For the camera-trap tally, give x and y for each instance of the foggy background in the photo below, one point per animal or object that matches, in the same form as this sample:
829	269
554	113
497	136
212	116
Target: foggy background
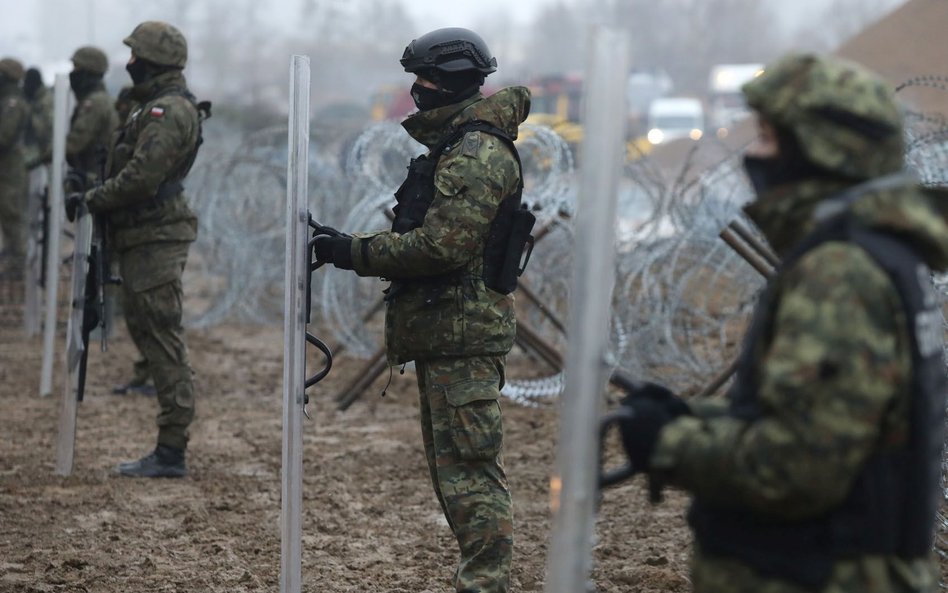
239	49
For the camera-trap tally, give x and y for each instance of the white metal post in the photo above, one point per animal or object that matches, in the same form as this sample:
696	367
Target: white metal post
593	278
294	326
54	228
75	349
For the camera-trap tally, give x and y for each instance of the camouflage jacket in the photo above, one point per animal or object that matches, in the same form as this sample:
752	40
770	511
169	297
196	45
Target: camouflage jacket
93	122
836	308
13	115
463	318
38	138
157	138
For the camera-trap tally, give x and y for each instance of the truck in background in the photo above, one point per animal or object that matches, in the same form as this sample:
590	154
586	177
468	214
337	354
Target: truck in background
725	102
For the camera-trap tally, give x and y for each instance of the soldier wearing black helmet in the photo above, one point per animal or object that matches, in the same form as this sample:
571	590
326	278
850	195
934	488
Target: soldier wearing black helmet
153	227
449	307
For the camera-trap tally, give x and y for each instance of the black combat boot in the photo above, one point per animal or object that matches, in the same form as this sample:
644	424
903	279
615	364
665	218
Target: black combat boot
135	388
163	462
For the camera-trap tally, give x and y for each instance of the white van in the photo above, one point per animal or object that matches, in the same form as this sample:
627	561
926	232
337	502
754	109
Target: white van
725	100
672	118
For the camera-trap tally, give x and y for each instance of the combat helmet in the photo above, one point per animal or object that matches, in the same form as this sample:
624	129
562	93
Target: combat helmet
844	117
13	69
159	43
92	59
448	50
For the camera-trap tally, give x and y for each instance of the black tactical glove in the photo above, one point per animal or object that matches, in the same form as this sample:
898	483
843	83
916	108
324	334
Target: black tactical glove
643	420
75	205
335	250
322	229
659	394
75	182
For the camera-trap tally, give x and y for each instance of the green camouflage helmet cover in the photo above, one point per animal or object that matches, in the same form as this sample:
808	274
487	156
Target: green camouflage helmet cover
12	68
160	43
844	116
90	58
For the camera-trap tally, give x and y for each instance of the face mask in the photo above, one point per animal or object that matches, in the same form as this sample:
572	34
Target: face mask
81	81
764	173
32	84
426	98
138	70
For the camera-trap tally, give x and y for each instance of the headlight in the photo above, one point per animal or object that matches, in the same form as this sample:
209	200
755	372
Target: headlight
655	136
695	134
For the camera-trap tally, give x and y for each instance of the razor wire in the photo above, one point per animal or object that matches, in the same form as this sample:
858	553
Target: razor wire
682	297
681	300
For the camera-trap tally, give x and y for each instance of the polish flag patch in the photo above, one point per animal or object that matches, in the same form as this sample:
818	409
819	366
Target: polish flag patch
157	111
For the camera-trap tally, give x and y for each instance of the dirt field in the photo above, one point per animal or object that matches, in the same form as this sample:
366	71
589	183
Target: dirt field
371	520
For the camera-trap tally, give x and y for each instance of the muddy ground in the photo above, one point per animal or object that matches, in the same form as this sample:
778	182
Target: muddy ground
371	522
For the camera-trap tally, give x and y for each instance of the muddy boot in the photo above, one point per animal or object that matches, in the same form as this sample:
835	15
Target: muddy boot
163	462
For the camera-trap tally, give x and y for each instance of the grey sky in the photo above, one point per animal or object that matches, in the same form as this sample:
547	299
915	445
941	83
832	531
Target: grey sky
19	35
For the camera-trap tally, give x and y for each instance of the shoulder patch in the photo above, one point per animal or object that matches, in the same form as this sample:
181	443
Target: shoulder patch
156	111
11	102
471	144
87	104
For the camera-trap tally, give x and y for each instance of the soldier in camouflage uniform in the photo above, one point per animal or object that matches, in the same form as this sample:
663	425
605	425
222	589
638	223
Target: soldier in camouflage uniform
153	227
94	119
14	113
38	137
822	471
441	313
93	122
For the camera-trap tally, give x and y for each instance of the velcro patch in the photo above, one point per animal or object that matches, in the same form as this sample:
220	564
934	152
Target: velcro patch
471	144
157	112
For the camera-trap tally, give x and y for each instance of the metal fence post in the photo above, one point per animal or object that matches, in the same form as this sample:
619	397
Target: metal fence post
593	279
294	326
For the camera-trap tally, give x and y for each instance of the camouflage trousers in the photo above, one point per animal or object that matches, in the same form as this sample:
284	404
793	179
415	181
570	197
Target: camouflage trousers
152	295
462	430
13	196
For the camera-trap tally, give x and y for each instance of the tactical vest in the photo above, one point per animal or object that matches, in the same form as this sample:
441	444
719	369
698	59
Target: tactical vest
173	183
891	508
509	230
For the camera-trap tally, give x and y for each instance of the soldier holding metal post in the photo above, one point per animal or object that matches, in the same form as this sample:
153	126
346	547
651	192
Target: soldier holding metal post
453	257
822	471
153	227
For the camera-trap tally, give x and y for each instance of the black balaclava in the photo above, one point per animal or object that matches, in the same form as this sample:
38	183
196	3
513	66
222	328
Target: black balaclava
32	81
142	70
139	70
789	166
83	81
453	87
